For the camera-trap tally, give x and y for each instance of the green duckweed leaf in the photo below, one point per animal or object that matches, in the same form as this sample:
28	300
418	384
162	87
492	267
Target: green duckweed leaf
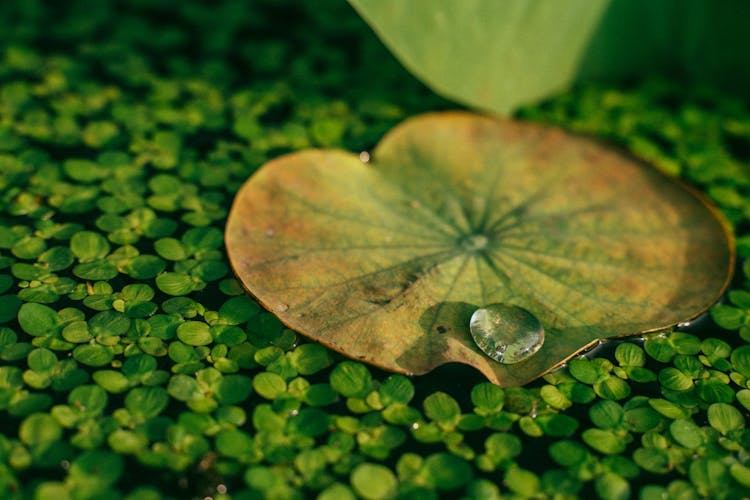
725	418
337	491
111	381
660	348
57	258
396	389
98	270
469	213
487	398
146	402
184	388
442	408
238	310
42	360
708	476
38	320
93	355
9	307
628	354
502	446
234	443
194	333
522	482
201	239
144	267
740	298
740	359
101	466
554	397
743	396
109	323
606	414
445	471
373	481
610	486
88	400
686	433
269	385
88	246
173	283
351	379
568	453
309	358
39	429
170	249
652	460
6	282
604	441
232	389
29	247
675	380
741	474
612	388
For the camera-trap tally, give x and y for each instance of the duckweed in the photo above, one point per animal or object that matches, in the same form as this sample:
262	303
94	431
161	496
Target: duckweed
133	364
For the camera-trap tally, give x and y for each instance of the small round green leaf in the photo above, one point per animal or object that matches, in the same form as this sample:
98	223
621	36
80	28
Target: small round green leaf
740	359
351	379
146	402
38	320
269	385
88	246
9	307
604	441
373	481
195	333
445	471
442	408
725	418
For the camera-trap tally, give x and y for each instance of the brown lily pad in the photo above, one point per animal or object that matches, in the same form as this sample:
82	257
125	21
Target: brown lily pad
386	261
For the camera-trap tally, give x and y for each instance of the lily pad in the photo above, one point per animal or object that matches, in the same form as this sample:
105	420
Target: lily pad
498	55
386	261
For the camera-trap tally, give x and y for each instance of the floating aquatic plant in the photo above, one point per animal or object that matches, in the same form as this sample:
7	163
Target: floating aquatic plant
561	241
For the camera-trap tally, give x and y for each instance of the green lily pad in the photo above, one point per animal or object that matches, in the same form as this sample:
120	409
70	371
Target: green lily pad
497	55
387	261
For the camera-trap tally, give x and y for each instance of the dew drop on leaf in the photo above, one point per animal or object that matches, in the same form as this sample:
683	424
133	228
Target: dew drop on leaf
506	333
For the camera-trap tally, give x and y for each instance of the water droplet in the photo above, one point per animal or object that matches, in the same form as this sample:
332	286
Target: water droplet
221	489
282	307
364	157
506	333
269	232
